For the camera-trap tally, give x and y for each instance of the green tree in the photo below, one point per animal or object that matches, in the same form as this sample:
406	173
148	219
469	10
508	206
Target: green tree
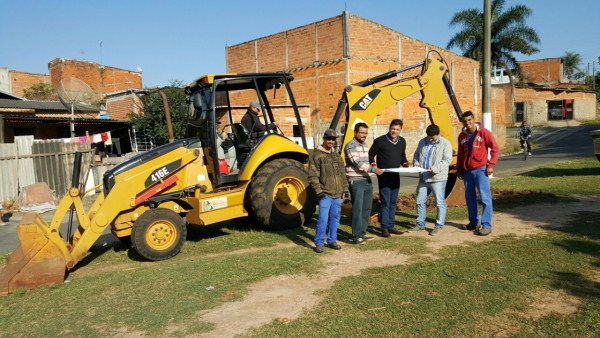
509	34
152	121
40	91
571	61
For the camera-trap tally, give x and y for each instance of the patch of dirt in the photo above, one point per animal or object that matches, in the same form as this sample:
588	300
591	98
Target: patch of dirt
544	303
285	298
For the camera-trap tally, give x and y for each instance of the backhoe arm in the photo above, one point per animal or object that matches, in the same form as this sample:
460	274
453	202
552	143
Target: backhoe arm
362	102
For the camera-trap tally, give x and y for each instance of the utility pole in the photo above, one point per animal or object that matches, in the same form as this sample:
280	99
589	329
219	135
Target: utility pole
487	53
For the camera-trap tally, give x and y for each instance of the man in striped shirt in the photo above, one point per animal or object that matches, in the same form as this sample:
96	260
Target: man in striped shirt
361	188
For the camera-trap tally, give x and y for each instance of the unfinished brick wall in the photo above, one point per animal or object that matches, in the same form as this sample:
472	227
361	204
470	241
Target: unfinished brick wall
100	79
23	80
546	72
120	107
315	54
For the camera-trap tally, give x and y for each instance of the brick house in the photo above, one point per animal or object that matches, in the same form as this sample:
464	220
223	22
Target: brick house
547	95
327	55
75	81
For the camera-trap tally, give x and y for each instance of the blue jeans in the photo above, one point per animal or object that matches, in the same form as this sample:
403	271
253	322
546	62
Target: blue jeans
438	189
361	194
330	210
477	178
389	184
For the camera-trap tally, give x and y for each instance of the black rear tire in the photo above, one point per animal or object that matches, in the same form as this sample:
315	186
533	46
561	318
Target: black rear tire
280	195
158	234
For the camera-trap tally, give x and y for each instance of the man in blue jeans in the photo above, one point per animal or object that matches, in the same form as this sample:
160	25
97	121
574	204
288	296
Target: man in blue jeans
433	153
389	151
358	169
326	174
475	166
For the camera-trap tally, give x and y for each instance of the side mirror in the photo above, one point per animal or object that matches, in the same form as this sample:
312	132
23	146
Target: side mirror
197	101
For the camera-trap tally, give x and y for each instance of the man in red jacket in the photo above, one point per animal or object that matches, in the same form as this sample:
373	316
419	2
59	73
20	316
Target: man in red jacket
475	166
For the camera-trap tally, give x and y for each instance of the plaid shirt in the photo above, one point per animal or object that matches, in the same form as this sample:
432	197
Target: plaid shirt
357	160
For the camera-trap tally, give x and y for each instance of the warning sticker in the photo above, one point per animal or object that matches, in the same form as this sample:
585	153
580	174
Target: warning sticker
214	203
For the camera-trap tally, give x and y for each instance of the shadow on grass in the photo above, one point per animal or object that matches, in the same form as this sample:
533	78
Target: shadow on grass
507	199
576	284
557	172
584	239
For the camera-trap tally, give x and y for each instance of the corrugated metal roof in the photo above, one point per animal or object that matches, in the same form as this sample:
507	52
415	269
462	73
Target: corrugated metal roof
78	117
47	105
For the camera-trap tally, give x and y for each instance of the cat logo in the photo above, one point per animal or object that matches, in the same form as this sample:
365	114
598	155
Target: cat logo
366	100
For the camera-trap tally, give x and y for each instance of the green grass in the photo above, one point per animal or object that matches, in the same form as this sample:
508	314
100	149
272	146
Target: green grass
448	297
595	122
467	291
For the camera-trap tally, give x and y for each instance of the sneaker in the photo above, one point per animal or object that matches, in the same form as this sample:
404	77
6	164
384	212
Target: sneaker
435	231
368	238
358	240
416	228
529	153
396	232
483	231
318	249
334	246
469	226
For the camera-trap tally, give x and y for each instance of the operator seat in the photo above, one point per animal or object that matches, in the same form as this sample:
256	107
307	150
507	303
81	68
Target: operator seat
241	142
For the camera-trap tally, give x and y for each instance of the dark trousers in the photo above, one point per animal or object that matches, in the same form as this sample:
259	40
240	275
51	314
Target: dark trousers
389	185
361	194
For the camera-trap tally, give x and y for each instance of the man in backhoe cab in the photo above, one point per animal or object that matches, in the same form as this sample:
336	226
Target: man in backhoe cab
326	174
475	166
358	168
252	123
389	151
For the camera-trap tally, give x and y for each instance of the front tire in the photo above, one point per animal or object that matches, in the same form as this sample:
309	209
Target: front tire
158	234
280	195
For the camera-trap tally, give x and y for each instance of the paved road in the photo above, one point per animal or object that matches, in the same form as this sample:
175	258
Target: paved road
551	145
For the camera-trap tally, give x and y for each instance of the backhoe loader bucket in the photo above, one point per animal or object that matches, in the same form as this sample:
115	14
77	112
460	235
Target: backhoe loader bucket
37	262
455	191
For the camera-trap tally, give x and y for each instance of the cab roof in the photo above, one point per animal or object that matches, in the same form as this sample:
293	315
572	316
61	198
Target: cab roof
238	81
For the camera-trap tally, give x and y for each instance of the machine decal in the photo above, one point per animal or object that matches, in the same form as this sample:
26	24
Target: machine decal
366	100
162	172
214	203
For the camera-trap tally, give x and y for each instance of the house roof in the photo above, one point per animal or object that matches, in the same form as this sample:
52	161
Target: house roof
47	105
5	95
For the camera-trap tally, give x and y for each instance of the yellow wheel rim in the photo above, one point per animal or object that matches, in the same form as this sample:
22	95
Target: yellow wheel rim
161	235
289	195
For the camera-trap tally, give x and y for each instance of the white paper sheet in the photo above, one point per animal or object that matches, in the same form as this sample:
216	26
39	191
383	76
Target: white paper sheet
410	170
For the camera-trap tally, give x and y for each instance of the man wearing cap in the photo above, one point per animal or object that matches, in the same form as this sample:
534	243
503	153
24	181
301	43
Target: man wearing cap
252	122
326	174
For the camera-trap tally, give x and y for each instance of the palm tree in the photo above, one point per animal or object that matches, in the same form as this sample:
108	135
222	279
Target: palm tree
510	35
571	61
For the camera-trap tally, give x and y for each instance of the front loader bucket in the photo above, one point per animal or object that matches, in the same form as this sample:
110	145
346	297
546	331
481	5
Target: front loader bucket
455	191
37	262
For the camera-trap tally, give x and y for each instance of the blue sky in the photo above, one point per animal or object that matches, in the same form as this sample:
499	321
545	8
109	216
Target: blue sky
181	40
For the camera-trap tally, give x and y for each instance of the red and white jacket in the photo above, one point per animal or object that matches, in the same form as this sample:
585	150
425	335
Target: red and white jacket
478	157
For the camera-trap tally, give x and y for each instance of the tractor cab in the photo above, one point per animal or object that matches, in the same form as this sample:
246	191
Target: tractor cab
216	115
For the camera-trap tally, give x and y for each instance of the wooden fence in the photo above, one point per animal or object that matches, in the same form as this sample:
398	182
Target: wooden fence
29	161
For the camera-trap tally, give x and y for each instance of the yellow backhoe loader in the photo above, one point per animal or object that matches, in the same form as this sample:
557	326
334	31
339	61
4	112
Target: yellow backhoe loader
222	172
149	200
